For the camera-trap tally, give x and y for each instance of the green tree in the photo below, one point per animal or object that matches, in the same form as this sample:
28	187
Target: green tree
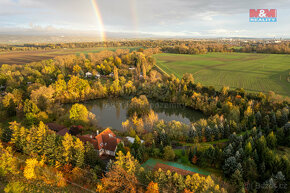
68	146
271	140
237	181
248	149
140	106
14	187
250	172
78	114
168	153
31	110
188	78
79	152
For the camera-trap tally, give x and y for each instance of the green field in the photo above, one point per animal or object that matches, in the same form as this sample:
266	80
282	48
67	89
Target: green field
253	72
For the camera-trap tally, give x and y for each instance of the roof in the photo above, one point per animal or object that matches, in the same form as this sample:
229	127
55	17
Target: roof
88	138
55	127
107	140
63	132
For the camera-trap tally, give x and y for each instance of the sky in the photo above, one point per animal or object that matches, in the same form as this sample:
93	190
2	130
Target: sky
168	18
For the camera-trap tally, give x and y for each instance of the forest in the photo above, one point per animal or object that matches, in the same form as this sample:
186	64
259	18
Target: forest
242	137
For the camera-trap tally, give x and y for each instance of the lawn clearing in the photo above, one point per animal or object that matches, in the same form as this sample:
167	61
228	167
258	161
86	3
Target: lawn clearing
253	72
174	166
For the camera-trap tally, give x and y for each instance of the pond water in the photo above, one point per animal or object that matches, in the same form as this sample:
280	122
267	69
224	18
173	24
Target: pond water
150	163
112	112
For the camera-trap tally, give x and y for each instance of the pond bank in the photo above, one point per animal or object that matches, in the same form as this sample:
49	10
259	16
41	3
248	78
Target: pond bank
112	112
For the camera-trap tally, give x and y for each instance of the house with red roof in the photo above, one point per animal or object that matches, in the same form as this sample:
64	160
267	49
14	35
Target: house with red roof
105	143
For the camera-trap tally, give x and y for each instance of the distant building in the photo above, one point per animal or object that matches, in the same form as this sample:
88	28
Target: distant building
131	139
89	75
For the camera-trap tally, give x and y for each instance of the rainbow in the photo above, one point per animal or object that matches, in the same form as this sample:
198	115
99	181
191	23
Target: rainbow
100	20
134	15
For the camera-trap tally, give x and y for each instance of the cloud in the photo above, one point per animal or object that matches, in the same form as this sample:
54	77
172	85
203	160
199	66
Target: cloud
195	17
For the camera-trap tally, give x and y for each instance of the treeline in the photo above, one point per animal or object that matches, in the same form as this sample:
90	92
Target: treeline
281	48
169	46
198	48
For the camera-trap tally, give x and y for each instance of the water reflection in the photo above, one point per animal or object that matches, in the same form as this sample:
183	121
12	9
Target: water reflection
112	112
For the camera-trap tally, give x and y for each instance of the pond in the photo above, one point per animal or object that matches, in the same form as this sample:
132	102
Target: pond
150	163
112	112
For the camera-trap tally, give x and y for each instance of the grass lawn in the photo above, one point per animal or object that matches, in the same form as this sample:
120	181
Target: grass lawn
253	72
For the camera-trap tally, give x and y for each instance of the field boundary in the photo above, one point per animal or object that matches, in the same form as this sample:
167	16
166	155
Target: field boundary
161	70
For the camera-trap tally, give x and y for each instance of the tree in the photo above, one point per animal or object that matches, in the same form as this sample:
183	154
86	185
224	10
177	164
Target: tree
258	117
271	140
250	172
38	137
68	145
248	149
30	107
8	162
168	153
140	106
91	155
78	114
116	74
78	88
128	162
152	188
237	180
121	177
30	168
188	78
119	180
77	69
9	104
43	97
231	165
31	110
50	148
14	187
60	86
79	152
